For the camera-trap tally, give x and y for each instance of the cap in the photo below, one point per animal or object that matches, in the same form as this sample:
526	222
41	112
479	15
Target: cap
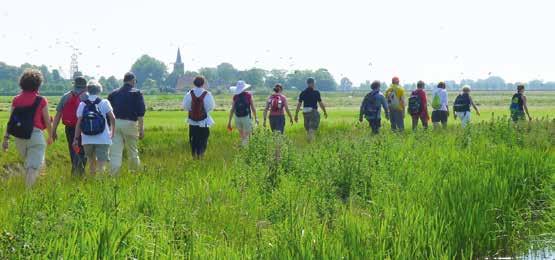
128	77
79	82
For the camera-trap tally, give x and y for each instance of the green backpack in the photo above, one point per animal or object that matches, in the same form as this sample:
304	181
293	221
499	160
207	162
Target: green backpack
436	102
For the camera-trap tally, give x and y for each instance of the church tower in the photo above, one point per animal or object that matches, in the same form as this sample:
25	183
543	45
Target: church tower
178	66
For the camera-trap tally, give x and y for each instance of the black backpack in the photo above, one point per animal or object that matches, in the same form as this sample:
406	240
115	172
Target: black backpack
462	103
370	106
242	106
92	122
415	104
22	119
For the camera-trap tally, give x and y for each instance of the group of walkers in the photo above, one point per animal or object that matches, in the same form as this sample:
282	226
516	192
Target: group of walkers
98	130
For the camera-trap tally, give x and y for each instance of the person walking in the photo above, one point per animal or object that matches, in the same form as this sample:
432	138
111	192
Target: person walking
395	95
199	102
277	106
371	107
92	128
242	111
66	112
462	105
440	106
129	109
29	117
309	99
418	106
519	105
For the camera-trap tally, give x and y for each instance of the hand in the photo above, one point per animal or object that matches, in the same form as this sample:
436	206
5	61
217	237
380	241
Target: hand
5	144
75	143
325	115
477	112
360	119
141	134
454	115
296	118
291	119
229	128
54	135
529	118
264	124
256	121
447	113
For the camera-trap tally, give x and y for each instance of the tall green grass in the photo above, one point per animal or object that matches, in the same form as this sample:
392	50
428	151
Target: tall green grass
483	191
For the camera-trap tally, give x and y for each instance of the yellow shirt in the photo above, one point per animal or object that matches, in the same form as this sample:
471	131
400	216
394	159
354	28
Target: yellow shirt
400	93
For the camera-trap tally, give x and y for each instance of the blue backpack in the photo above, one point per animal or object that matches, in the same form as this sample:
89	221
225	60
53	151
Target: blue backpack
371	108
92	122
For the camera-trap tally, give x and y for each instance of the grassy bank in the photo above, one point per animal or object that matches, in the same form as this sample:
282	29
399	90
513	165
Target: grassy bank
449	194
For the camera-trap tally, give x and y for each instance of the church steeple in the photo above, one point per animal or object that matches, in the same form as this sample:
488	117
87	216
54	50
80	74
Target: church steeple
178	66
178	60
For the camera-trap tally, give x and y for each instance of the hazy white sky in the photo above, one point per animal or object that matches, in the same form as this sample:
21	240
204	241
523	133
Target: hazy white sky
414	39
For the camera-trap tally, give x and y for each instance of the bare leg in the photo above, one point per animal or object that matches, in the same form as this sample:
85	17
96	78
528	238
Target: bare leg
100	166
92	165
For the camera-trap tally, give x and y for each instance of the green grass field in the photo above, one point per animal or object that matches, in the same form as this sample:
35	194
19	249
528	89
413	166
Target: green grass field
454	194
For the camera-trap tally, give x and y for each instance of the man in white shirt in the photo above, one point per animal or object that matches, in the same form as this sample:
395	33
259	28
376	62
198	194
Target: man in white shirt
440	114
96	146
199	103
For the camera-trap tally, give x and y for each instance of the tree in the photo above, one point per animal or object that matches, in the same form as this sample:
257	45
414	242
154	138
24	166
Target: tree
227	73
346	84
254	76
276	76
325	80
147	67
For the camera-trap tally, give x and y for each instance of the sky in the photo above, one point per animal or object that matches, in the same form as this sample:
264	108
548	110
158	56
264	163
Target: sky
428	40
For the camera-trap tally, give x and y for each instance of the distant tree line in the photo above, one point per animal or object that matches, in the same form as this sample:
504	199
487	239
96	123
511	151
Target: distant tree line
153	77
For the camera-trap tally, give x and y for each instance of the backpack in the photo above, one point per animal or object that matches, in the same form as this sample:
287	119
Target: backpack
93	122
69	116
436	101
242	106
462	103
275	103
197	112
415	104
22	120
370	106
393	100
516	104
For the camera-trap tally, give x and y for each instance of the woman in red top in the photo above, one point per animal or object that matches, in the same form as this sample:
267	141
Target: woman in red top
423	115
277	105
32	149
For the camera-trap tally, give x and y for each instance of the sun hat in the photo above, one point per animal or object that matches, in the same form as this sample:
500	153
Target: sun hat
240	87
466	88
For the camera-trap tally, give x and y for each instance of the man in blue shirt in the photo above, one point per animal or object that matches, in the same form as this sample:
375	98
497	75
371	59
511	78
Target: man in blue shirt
371	107
129	108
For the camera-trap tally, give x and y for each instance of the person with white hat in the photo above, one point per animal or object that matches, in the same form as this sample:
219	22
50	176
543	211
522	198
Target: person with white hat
243	108
462	106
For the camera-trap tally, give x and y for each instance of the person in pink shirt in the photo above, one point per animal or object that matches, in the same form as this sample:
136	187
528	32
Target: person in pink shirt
277	105
419	111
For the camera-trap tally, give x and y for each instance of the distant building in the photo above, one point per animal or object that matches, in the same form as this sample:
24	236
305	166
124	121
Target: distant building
177	80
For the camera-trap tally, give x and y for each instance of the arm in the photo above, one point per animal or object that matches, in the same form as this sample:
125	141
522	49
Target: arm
6	141
46	118
297	111
141	127
361	112
288	112
474	106
230	115
525	105
323	108
253	109
265	114
55	123
77	132
112	119
385	107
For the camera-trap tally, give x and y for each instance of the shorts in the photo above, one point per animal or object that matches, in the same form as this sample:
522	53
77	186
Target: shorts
464	117
277	123
311	120
517	116
32	150
439	116
243	123
99	152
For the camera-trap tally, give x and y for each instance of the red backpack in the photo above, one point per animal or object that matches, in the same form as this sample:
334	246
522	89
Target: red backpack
197	112
69	112
275	103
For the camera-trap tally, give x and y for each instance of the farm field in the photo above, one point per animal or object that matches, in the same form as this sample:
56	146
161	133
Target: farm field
464	194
